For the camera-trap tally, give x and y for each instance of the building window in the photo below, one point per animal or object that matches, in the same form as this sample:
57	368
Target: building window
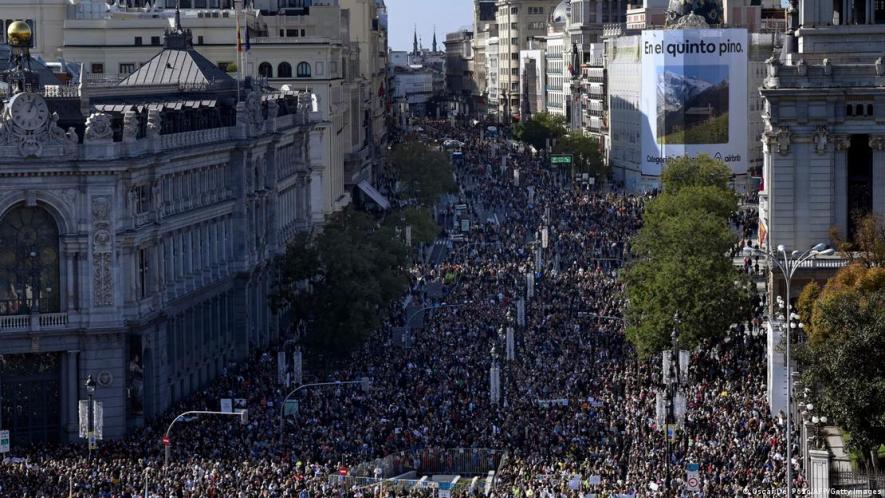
142	273
333	68
292	32
138	41
127	68
97	68
319	68
284	70
199	39
265	70
155	41
514	10
29	262
303	70
302	33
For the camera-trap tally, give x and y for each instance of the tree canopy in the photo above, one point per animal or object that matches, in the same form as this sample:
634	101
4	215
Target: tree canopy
844	360
341	279
425	174
539	128
701	171
681	264
585	152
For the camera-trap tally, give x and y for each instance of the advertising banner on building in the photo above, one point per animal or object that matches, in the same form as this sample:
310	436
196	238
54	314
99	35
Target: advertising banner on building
694	96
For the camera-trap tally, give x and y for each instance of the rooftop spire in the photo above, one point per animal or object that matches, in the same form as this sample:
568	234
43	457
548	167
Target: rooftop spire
434	37
415	40
177	25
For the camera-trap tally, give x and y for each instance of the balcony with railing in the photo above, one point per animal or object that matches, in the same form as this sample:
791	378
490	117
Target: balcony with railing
24	315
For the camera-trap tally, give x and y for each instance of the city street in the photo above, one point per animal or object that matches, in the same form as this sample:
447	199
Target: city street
576	408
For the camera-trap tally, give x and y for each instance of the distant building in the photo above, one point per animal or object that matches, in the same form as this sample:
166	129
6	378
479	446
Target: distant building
460	83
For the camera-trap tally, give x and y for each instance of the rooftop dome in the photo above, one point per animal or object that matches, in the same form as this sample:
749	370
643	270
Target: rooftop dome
561	12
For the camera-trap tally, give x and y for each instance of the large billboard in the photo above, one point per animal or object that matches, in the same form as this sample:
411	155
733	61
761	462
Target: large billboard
694	96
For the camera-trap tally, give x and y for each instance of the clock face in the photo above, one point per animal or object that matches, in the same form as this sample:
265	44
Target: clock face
28	111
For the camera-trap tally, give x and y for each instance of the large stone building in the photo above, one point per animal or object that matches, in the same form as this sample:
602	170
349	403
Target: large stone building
336	49
460	82
138	225
824	117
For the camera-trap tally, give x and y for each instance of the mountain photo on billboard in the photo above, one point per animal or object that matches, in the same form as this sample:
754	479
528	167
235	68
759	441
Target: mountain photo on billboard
692	104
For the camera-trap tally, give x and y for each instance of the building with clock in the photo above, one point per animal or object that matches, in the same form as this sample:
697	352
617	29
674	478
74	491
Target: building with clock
138	223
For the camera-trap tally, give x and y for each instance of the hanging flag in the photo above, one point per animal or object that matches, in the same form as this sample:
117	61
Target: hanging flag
239	41
248	42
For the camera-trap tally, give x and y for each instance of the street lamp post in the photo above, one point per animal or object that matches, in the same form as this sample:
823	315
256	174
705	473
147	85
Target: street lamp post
90	423
787	264
365	382
146	471
167	442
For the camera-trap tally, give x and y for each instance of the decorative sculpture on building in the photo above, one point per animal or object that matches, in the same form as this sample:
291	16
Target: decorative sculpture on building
33	136
102	250
880	67
154	122
683	14
828	66
130	126
877	142
780	138
273	109
821	139
98	128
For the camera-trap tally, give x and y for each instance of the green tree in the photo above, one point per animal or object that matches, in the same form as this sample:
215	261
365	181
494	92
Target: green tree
695	172
541	127
844	364
681	264
585	153
682	270
424	228
425	174
342	279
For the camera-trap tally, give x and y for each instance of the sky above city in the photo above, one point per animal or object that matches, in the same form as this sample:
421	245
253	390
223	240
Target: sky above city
447	15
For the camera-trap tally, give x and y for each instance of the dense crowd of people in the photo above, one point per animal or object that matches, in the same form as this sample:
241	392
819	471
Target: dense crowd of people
577	411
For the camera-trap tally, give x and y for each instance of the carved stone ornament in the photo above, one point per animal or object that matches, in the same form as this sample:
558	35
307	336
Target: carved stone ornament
877	142
102	250
154	122
841	142
273	109
130	126
690	21
821	139
880	67
33	143
779	139
828	67
98	128
802	67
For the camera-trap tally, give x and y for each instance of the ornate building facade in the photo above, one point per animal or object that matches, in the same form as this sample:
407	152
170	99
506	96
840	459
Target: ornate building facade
824	118
138	224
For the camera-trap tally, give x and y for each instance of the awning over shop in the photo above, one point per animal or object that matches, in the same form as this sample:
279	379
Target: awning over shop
373	194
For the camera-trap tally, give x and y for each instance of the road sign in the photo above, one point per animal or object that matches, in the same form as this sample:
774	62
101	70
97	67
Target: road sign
561	159
166	441
692	477
4	441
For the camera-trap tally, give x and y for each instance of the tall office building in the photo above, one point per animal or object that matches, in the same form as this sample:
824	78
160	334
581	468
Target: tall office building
518	22
485	27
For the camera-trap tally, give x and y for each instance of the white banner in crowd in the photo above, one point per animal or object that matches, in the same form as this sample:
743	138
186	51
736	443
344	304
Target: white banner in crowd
227	405
530	285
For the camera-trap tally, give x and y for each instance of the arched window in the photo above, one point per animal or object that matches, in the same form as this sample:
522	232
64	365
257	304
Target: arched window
849	109
303	70
869	109
265	70
284	70
29	262
858	110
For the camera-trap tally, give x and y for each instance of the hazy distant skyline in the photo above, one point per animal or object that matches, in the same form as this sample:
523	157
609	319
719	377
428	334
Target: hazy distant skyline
447	15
